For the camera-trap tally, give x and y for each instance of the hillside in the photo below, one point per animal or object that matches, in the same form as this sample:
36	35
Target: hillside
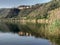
4	12
37	11
8	12
42	11
54	15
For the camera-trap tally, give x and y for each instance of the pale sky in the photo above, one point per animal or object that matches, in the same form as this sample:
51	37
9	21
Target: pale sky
15	3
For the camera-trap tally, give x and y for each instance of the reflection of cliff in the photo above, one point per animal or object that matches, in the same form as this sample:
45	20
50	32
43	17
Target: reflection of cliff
29	29
13	27
24	30
37	30
7	27
24	34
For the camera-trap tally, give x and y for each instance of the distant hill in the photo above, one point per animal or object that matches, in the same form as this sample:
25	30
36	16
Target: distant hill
9	12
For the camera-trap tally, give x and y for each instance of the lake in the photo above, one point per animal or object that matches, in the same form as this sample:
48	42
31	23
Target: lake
26	34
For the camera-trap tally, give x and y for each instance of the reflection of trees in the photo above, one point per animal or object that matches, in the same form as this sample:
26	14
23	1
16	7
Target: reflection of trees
4	27
13	27
29	29
38	30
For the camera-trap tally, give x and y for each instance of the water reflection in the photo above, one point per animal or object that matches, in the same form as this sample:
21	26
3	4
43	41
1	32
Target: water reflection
29	29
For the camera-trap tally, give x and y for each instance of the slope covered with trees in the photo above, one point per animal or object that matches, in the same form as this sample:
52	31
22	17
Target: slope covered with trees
9	12
37	11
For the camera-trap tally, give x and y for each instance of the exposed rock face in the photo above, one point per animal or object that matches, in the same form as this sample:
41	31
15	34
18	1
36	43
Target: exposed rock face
23	7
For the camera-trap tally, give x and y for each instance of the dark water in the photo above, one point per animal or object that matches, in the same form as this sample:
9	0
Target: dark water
25	34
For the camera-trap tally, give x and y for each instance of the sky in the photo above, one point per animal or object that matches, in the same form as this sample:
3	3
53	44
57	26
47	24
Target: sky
15	3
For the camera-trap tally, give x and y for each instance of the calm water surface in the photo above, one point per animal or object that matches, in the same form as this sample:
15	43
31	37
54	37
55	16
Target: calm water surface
23	34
